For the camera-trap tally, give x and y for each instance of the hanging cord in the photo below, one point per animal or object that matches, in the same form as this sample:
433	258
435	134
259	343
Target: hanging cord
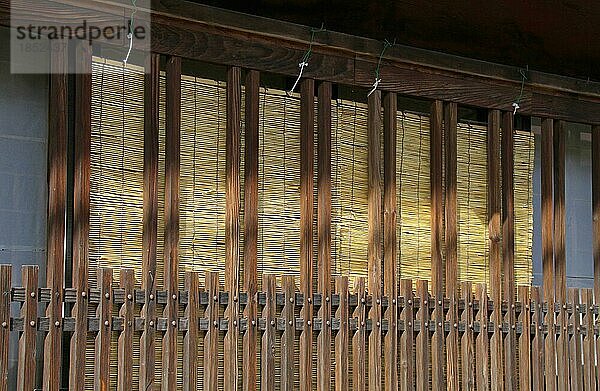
130	33
304	62
516	103
386	44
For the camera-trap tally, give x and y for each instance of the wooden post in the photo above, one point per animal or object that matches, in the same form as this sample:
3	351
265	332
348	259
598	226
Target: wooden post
342	336
451	234
466	343
289	333
547	249
574	342
589	356
525	339
211	337
102	343
374	250
232	225
508	247
267	367
437	266
81	212
482	342
537	345
150	220
250	226
172	169
5	288
422	340
27	340
407	366
390	242
190	339
324	235
57	178
307	121
125	343
359	355
493	200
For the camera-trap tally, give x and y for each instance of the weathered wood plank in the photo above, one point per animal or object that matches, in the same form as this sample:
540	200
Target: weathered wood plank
537	345
437	265
232	225
324	235
251	142
125	342
190	338
267	367
288	336
342	337
589	356
407	366
574	341
482	341
5	287
102	342
211	337
525	339
374	250
359	353
422	339
150	220
27	339
57	179
171	253
81	211
467	340
307	125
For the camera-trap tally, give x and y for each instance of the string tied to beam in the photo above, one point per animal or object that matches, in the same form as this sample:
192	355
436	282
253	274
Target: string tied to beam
130	32
516	103
304	62
386	44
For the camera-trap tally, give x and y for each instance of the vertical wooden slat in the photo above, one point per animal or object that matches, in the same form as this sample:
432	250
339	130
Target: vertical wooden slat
390	242
374	249
5	287
407	366
422	339
267	368
125	343
437	266
537	345
482	342
232	225
287	339
547	249
211	337
324	235
508	248
525	339
150	220
494	232
574	341
190	339
596	226
250	226
102	342
451	234
57	177
589	357
359	355
81	211
342	336
172	170
307	120
466	342
27	339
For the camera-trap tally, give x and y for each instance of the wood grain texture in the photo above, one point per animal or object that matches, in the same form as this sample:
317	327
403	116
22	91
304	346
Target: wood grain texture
407	365
390	241
482	341
508	248
596	209
437	265
324	235
342	337
575	349
589	356
232	225
451	239
81	211
211	337
359	339
27	339
467	340
5	287
422	339
251	144
150	220
102	341
125	342
307	125
524	366
57	177
537	344
190	338
289	334
172	173
375	235
268	338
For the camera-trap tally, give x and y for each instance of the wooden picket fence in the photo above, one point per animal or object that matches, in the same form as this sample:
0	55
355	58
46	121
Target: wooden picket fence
351	339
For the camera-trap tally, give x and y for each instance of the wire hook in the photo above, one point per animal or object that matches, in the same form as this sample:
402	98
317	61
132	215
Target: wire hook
304	62
386	44
130	33
517	101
